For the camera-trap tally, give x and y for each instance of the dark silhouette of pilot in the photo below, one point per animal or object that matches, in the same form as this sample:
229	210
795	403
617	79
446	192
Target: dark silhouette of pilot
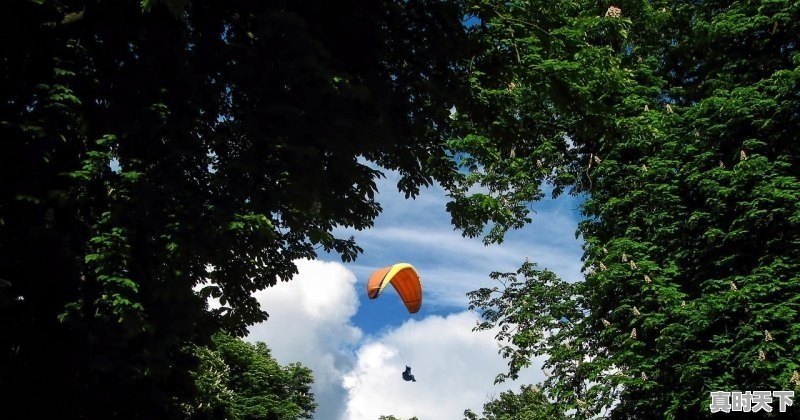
407	376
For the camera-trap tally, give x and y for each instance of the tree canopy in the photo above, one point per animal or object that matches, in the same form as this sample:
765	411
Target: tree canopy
159	153
529	404
238	380
678	122
162	152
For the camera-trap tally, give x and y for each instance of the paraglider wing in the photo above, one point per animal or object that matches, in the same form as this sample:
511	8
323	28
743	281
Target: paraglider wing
405	280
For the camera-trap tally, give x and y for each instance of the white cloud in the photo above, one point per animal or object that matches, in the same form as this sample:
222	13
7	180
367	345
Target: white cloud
454	367
419	231
452	265
310	322
314	320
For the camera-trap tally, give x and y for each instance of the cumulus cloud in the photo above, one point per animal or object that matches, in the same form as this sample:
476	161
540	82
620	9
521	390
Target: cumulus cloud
454	367
357	360
311	322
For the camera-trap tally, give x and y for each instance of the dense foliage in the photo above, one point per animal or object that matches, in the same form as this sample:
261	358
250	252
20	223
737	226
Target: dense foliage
237	380
157	153
679	121
529	404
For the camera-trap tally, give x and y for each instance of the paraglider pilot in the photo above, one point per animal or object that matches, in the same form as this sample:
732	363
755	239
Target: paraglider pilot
407	376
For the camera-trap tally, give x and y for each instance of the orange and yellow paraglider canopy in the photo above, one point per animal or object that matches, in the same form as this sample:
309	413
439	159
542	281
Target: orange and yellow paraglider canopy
405	280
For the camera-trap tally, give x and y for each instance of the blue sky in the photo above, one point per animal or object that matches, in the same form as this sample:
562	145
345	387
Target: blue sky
419	232
357	347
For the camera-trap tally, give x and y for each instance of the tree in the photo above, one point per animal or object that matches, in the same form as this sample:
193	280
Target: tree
239	380
157	156
677	123
529	404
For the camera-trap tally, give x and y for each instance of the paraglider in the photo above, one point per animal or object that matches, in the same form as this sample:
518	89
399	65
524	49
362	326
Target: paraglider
406	281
